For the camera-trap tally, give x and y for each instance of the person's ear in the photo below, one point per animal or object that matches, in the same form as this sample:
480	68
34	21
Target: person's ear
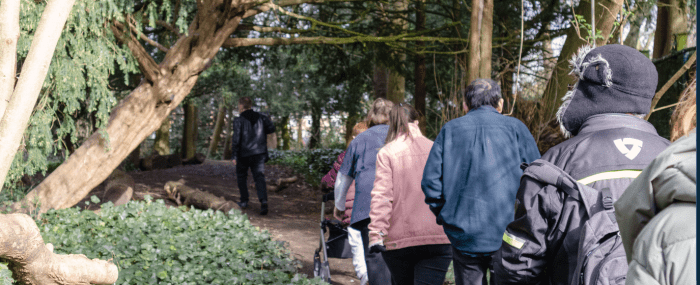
464	106
500	106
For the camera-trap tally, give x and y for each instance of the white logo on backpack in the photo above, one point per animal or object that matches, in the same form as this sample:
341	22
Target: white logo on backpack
621	145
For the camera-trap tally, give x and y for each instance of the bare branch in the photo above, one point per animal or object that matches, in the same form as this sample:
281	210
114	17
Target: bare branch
669	83
168	26
272	29
148	40
267	5
239	42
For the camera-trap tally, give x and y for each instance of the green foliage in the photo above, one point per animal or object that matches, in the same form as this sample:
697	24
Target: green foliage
154	244
313	164
5	274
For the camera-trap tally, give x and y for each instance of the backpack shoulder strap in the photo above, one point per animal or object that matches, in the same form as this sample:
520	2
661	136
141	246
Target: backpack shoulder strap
546	172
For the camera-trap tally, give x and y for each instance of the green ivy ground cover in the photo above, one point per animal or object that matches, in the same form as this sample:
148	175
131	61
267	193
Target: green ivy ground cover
313	164
154	244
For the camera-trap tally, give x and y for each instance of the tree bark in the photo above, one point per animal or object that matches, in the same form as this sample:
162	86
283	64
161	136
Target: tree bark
189	134
216	136
229	135
284	130
396	84
185	195
300	130
142	111
33	262
380	81
162	143
671	19
473	64
9	35
485	41
315	139
606	11
19	108
419	68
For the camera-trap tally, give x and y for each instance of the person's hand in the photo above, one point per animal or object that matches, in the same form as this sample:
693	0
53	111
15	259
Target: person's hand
234	162
377	248
338	214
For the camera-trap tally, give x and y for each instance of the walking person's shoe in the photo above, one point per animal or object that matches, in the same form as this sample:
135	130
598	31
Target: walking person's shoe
243	205
263	208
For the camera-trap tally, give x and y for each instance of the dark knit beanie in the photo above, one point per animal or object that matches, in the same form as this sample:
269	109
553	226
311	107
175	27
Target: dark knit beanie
612	79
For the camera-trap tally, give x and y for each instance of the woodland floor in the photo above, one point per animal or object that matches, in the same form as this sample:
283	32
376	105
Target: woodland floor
294	212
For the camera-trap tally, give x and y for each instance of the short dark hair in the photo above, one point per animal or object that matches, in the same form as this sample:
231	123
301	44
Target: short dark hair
246	102
482	92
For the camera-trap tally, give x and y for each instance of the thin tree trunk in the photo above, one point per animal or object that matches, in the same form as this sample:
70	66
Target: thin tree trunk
315	139
284	131
19	109
473	65
559	81
189	134
396	84
419	68
9	35
300	130
142	111
162	143
216	137
229	135
671	19
485	42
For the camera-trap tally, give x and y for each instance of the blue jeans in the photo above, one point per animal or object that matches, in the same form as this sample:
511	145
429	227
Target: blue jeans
471	268
423	264
256	163
377	271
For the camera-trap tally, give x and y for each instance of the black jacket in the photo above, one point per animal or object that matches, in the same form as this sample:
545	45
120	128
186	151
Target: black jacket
250	134
541	245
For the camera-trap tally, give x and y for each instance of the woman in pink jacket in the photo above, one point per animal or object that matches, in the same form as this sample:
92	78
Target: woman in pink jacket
402	227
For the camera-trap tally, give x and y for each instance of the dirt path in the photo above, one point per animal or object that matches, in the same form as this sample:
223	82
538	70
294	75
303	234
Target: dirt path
294	212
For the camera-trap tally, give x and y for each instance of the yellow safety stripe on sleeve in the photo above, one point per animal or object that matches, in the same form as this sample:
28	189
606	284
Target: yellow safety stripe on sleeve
513	240
610	175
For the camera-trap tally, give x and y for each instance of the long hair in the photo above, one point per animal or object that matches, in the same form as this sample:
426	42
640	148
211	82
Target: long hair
684	118
399	117
379	113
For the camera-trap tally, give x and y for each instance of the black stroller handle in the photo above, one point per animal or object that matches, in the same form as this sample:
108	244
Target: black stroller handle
328	197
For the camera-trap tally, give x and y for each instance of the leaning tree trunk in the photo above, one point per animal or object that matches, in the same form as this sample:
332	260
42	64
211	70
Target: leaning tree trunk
216	137
162	143
9	35
16	113
605	15
142	111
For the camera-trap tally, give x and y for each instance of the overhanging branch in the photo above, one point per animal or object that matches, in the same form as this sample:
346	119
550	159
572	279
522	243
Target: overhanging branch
147	65
240	42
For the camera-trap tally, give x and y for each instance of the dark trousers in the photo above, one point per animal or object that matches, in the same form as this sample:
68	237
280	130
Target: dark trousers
471	268
377	271
256	163
424	264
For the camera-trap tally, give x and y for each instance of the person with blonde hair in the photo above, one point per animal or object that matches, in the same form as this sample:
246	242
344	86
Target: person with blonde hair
359	165
354	236
402	228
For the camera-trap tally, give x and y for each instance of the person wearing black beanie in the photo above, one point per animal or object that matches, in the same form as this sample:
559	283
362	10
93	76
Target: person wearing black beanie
609	144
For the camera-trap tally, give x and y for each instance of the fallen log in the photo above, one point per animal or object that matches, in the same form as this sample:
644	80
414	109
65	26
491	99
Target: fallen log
119	189
196	159
160	162
188	196
279	185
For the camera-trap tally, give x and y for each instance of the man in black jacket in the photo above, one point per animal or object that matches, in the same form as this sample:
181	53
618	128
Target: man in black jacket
611	144
249	148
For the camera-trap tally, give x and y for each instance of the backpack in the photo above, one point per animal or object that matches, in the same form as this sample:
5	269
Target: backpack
601	257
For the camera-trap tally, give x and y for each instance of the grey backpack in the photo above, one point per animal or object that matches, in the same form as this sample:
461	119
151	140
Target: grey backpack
601	256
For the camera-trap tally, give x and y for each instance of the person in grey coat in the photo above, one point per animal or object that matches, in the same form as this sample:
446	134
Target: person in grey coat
610	146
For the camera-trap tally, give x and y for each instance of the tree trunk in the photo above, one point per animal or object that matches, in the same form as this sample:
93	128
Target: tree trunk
9	35
480	35
189	134
300	130
284	130
141	112
162	143
315	139
559	81
380	81
216	137
33	262
229	135
419	68
671	19
18	110
184	195
396	84
350	122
